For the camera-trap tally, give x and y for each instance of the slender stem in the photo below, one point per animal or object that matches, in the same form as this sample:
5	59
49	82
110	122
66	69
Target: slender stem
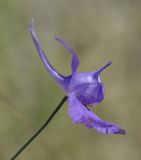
41	129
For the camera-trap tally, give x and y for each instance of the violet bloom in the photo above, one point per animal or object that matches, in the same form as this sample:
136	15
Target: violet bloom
83	90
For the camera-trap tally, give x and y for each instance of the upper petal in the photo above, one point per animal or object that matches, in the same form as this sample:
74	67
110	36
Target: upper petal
58	77
81	114
75	60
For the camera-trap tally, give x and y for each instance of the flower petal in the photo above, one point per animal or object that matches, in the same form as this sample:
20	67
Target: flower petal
103	68
92	93
75	60
58	77
81	114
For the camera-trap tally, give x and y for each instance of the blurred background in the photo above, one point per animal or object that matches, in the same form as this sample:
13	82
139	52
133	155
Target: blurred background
99	31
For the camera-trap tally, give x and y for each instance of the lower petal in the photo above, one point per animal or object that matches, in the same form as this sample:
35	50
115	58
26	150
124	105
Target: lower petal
81	114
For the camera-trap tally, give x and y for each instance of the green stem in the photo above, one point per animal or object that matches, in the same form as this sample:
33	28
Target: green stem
40	129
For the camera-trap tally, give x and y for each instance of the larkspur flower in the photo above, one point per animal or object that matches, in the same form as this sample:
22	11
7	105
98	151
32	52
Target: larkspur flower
83	90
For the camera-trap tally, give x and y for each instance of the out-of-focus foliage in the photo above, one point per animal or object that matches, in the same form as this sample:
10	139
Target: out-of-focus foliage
99	30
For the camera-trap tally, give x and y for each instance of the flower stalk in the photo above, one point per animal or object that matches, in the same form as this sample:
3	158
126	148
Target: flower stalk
40	129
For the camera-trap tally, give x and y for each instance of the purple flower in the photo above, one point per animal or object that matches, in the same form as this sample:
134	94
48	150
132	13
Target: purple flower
83	89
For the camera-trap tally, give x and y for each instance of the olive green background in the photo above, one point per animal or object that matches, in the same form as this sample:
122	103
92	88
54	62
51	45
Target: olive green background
99	31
